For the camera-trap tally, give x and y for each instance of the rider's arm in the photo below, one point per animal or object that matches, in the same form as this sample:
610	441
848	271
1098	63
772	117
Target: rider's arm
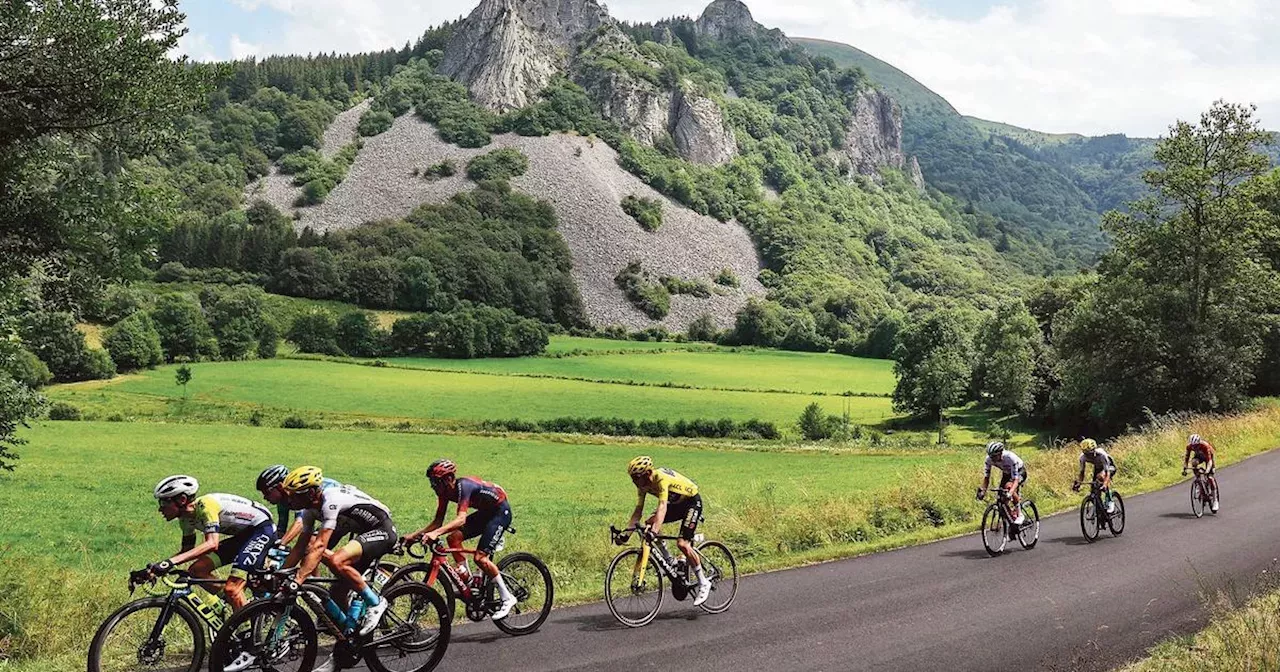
986	473
299	549
659	515
209	545
1186	459
315	550
295	529
455	524
1080	476
635	515
441	505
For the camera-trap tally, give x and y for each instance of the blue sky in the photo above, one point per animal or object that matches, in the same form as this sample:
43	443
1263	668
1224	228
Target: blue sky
1087	66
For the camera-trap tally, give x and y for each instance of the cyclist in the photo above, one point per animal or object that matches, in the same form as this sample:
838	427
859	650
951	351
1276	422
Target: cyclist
347	509
489	520
1202	451
1103	469
236	532
678	499
1013	473
269	482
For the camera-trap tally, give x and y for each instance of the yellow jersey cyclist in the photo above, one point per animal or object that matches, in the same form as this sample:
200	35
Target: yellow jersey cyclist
270	483
1104	467
678	499
483	511
1013	473
236	531
339	510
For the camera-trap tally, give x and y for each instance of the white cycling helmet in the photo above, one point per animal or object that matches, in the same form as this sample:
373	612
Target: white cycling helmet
176	485
995	447
1195	438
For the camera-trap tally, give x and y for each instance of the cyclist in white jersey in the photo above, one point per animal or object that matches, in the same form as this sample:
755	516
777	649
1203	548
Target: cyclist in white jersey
1103	469
1013	473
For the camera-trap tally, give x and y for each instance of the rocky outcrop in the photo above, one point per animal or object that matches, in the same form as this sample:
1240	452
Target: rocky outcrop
874	137
640	109
699	130
917	177
506	51
731	20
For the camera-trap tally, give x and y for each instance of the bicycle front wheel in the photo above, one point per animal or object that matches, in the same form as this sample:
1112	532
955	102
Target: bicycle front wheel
413	634
267	635
1029	533
1089	523
530	581
721	570
632	600
993	534
1116	522
124	642
1197	498
420	572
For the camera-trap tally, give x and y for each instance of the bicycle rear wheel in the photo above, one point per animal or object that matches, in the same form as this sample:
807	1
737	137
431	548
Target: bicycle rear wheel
413	634
633	602
721	569
124	643
1090	525
530	581
420	572
269	635
1029	532
1197	498
1116	520
994	537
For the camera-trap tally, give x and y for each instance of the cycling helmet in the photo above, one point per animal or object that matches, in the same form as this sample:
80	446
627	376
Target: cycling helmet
1088	446
302	478
1195	438
176	485
995	447
272	476
640	466
441	468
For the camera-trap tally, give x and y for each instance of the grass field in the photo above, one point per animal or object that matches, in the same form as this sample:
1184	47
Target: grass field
739	370
400	393
561	345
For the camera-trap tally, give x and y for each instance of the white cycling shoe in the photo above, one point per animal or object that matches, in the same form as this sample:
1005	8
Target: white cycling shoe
371	617
242	661
508	603
704	591
1022	518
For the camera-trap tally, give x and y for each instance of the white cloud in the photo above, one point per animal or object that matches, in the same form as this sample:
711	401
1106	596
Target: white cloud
196	46
241	49
1089	66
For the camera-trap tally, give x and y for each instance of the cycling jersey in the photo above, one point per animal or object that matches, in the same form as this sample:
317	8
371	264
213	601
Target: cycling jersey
224	514
1010	464
472	493
1100	460
669	485
1203	451
283	510
346	504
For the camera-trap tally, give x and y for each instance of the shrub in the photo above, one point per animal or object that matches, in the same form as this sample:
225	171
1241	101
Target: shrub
727	278
27	369
53	338
315	331
294	422
646	211
813	423
119	302
99	365
183	330
500	164
358	335
651	298
446	168
134	343
703	328
697	428
374	122
60	410
696	288
268	340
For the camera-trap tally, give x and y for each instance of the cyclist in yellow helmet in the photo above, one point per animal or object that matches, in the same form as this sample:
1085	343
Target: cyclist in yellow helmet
678	499
1103	469
340	510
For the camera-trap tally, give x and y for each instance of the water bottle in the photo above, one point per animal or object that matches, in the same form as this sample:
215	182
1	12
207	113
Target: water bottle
357	609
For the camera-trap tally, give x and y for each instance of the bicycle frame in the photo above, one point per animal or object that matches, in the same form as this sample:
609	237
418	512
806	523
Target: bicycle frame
646	551
181	586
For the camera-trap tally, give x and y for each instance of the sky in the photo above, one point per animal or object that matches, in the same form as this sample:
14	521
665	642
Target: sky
1079	66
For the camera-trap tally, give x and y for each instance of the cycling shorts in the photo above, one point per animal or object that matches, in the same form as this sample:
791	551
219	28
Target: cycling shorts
374	544
689	512
490	526
246	552
1196	461
1005	478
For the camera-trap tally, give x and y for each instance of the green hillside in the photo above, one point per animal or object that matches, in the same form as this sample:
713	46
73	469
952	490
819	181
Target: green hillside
1026	136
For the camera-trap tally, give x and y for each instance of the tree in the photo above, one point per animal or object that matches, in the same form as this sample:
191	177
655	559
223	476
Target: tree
1183	302
1007	347
183	376
53	338
315	331
134	343
934	361
358	334
813	423
184	332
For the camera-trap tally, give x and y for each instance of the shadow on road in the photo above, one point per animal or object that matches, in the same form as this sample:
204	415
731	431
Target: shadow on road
478	637
607	623
1184	515
970	554
1071	541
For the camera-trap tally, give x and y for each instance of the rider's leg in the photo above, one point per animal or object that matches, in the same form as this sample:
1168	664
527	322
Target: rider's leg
342	563
203	568
455	539
235	592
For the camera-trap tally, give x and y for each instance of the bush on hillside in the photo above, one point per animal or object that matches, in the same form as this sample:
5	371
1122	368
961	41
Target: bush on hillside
184	332
727	278
238	317
315	331
446	168
60	410
696	288
374	122
468	332
27	369
813	423
118	302
703	328
134	343
500	164
696	428
652	298
358	334
646	211
53	338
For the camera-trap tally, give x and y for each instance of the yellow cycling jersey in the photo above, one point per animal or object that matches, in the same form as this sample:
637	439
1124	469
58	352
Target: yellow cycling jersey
225	514
669	485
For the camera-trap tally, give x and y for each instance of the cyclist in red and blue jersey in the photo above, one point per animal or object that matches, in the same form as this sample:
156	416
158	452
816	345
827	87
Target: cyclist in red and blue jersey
1202	452
483	511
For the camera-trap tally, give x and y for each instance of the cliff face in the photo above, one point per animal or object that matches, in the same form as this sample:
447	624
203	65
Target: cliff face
506	51
699	130
732	20
874	137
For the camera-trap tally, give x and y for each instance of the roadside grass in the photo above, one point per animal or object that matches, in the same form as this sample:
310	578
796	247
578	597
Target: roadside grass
762	370
431	395
1239	638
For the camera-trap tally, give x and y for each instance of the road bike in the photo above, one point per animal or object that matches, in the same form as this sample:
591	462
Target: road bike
998	527
281	633
1204	492
524	574
1094	515
633	584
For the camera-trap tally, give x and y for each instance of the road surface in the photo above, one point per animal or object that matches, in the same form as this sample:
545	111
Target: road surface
1065	605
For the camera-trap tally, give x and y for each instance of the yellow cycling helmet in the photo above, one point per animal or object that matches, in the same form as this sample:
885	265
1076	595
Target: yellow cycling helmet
640	466
1088	445
302	478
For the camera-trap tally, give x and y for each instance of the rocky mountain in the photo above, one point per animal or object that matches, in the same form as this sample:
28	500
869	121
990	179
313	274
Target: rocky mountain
728	20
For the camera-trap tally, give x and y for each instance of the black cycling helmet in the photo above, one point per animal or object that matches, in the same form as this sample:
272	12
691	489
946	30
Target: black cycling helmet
272	476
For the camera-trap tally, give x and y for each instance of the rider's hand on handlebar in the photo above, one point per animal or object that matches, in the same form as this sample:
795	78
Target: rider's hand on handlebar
1184	471
160	568
982	494
1075	487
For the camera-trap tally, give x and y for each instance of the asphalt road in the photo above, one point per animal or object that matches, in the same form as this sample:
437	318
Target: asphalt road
1065	605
